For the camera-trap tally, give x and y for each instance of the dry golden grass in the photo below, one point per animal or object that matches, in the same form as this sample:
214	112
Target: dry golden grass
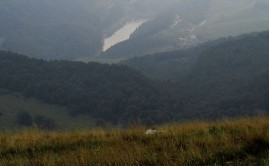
229	142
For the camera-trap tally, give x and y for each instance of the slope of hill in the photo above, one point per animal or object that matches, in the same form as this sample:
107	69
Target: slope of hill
47	29
67	29
42	115
62	29
113	93
189	22
227	77
172	65
223	78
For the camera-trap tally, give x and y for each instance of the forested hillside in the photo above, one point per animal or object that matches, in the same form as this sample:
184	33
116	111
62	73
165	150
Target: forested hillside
228	77
111	93
223	78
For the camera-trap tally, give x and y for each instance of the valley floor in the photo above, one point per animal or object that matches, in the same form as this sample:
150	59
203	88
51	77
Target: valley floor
229	142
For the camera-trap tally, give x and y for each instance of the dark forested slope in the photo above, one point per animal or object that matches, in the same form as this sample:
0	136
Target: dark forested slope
113	93
227	77
172	65
231	76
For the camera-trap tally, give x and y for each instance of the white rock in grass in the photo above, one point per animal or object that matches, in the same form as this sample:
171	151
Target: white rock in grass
151	131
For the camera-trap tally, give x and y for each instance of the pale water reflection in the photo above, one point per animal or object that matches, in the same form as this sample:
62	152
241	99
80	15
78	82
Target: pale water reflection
122	34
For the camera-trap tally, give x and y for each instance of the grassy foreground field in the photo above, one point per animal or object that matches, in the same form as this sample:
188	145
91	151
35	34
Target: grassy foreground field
229	142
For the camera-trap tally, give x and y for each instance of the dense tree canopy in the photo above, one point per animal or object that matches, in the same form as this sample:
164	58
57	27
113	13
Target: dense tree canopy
223	78
227	77
114	93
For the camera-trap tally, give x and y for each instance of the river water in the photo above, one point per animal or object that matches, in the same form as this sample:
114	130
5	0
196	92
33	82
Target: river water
122	34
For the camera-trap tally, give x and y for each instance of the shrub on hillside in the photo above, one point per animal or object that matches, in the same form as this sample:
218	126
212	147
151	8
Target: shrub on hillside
100	123
24	118
45	123
4	92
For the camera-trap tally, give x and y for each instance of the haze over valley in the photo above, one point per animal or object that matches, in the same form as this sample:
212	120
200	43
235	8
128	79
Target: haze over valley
175	60
81	29
134	82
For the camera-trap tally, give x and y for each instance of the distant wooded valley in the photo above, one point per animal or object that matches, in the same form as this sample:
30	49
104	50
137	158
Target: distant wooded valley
81	64
223	78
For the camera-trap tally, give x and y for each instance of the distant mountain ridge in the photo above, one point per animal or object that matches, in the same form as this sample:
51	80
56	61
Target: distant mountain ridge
189	22
66	29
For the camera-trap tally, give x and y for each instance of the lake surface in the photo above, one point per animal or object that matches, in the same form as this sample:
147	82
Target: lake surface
122	34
